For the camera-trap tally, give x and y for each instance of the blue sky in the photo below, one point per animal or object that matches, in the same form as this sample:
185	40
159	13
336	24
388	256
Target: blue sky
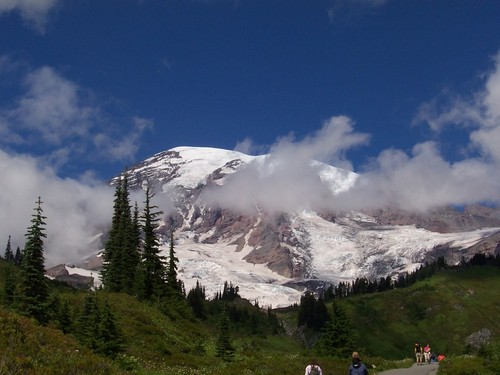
404	92
98	85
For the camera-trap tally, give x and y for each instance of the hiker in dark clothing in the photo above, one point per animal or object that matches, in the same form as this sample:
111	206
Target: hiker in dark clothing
357	367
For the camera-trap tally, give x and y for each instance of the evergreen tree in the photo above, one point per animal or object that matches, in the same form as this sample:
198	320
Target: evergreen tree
129	243
9	256
153	272
307	310
121	250
320	314
110	340
136	229
173	284
33	288
337	337
9	285
88	321
59	313
196	299
18	258
63	319
224	348
111	256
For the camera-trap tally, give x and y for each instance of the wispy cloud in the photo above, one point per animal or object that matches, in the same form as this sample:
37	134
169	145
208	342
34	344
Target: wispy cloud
125	146
61	121
34	12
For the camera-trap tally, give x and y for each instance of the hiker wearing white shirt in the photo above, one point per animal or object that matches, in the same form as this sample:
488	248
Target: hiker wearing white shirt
313	368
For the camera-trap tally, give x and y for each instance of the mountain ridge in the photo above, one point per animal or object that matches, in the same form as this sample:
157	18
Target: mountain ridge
229	226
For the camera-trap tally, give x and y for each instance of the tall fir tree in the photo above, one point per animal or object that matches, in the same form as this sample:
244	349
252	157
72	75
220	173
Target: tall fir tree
320	314
224	348
174	286
18	258
9	285
109	272
307	310
196	299
136	229
337	335
121	250
88	321
129	244
33	288
153	271
9	256
109	340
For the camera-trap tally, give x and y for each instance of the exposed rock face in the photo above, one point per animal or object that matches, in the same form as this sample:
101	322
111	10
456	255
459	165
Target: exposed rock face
60	273
444	220
478	339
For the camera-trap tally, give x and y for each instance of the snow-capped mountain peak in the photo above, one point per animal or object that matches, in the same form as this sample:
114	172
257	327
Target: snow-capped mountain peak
265	224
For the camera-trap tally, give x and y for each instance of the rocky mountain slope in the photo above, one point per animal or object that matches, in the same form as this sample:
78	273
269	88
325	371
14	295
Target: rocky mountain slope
224	208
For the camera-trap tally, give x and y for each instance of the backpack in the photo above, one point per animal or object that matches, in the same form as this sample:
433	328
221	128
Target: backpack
361	370
314	370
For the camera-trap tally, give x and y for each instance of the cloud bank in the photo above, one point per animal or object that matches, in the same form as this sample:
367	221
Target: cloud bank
76	212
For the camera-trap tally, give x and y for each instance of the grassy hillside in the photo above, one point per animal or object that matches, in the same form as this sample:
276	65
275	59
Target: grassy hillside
442	311
27	348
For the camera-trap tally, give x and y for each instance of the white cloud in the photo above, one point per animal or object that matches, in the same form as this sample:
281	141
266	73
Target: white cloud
422	181
60	120
329	144
286	180
76	212
492	92
33	12
51	108
480	112
425	179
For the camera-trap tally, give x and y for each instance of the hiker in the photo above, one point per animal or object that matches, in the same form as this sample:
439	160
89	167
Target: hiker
418	354
427	353
357	367
433	357
313	368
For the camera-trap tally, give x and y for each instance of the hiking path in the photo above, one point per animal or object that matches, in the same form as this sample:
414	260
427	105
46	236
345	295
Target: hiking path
428	369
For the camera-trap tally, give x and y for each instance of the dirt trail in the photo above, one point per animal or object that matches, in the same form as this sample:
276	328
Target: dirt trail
430	369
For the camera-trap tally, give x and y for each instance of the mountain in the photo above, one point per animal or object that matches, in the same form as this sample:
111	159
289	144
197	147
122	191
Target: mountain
269	226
